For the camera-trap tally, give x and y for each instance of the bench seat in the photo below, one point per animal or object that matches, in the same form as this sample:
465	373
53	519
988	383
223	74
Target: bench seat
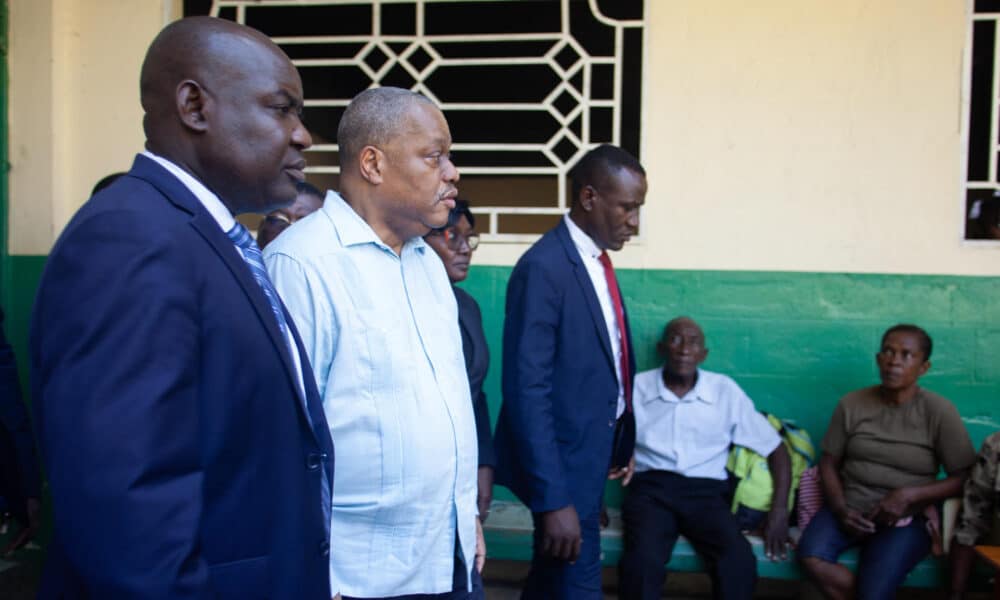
509	530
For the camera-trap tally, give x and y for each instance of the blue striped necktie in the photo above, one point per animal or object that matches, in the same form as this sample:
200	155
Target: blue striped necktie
253	258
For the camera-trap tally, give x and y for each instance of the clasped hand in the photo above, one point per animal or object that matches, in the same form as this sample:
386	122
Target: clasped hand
894	506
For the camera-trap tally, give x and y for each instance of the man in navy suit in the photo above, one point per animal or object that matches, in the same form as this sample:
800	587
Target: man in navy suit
179	423
567	375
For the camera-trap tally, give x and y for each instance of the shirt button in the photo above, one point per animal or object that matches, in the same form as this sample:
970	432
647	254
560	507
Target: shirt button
611	423
324	549
314	460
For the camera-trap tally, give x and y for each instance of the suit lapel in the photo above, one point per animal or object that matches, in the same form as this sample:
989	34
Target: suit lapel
587	290
220	242
209	229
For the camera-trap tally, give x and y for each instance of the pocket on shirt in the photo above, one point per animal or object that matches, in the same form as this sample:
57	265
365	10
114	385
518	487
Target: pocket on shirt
246	578
376	354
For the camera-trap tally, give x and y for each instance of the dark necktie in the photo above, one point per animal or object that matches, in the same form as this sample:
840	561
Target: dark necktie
616	301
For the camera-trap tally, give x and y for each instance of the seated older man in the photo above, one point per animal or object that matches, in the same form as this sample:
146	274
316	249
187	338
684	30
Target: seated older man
686	420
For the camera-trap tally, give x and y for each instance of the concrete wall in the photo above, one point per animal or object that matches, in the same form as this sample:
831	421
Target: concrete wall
800	135
805	161
74	105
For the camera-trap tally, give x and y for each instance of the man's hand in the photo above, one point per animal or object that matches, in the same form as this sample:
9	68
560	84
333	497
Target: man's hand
485	491
625	473
480	561
776	534
854	522
892	507
561	534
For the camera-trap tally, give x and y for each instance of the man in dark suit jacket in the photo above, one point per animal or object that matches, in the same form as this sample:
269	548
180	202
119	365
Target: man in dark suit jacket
567	365
179	423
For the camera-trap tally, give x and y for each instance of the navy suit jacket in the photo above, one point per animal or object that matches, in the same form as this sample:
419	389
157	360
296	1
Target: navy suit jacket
560	391
181	460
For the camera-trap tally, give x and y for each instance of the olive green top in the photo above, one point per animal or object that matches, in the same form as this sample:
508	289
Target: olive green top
884	446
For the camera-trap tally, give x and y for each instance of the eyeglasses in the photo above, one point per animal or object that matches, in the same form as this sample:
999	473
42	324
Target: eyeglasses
454	239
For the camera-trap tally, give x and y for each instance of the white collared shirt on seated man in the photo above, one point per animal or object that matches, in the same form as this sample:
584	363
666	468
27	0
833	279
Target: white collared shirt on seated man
691	435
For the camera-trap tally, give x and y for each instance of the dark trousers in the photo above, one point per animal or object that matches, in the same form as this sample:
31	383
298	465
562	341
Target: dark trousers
11	488
551	579
660	506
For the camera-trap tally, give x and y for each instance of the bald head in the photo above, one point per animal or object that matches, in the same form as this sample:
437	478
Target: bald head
680	323
373	118
201	49
224	103
683	347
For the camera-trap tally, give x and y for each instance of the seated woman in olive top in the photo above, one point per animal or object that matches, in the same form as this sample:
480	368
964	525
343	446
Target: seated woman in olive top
881	456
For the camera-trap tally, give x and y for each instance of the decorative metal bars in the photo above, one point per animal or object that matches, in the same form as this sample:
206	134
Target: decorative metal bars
528	86
982	101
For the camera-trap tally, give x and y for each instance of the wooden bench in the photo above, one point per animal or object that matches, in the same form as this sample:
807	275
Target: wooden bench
509	532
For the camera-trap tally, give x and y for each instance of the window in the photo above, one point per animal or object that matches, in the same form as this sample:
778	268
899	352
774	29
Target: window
982	200
527	86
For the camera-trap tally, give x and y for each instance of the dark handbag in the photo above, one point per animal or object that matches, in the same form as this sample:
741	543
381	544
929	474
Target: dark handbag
623	444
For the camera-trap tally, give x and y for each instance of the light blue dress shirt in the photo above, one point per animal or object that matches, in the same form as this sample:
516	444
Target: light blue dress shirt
691	436
382	334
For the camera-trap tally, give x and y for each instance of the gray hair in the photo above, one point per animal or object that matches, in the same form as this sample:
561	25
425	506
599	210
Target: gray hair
373	118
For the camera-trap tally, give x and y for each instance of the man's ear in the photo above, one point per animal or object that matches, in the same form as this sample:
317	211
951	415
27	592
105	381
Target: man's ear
371	164
192	105
588	195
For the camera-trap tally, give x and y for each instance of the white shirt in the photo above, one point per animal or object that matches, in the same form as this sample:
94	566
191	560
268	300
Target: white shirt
691	436
590	254
222	216
381	331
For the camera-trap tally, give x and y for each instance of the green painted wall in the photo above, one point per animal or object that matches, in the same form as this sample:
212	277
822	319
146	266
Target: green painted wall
796	342
24	273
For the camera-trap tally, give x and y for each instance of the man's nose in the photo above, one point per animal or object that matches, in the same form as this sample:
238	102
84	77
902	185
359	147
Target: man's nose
449	172
301	136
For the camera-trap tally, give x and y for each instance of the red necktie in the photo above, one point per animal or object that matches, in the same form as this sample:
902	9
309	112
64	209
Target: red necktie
616	301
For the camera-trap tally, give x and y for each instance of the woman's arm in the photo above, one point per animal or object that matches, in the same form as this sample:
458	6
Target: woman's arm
833	494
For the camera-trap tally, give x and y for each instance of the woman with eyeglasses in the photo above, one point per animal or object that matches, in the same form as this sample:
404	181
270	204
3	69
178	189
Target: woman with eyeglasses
454	243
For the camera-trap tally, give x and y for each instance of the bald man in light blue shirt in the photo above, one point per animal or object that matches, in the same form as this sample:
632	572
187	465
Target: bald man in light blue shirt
379	321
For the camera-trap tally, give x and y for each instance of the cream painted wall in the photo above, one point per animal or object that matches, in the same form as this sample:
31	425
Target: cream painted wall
74	104
806	135
803	135
779	135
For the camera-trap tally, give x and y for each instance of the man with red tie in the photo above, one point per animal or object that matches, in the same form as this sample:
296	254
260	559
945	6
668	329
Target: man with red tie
566	422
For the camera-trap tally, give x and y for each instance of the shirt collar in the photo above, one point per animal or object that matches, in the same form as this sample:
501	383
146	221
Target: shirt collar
355	231
584	244
208	199
698	392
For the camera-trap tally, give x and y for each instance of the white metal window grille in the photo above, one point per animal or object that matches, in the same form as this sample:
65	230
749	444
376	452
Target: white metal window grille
982	101
527	86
